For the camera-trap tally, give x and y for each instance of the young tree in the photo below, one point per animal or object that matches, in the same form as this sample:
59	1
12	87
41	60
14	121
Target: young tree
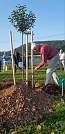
22	21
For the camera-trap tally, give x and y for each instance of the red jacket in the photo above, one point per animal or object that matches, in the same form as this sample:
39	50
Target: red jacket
47	52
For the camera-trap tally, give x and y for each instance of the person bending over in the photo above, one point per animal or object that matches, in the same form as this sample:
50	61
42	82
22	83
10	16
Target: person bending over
49	53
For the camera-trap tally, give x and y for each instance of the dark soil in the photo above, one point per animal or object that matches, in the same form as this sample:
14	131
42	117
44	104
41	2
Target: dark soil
18	105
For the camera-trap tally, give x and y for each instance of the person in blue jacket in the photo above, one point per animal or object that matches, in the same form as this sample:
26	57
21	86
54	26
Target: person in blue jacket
5	61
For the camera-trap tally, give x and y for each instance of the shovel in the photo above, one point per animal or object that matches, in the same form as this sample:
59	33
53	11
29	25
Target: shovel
23	84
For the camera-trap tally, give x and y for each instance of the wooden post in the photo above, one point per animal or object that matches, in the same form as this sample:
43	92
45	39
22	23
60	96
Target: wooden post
11	45
27	59
62	87
22	58
32	59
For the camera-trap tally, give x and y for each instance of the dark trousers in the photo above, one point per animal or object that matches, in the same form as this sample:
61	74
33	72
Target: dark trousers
15	66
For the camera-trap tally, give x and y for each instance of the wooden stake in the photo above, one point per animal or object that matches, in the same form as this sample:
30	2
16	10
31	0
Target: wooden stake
32	59
27	58
11	45
62	87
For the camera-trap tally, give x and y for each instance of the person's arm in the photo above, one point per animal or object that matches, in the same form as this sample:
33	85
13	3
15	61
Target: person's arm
44	59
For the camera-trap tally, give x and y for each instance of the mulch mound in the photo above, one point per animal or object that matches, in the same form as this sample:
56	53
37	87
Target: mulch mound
52	89
18	105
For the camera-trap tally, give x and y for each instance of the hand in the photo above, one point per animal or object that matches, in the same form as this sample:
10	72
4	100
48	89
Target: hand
35	69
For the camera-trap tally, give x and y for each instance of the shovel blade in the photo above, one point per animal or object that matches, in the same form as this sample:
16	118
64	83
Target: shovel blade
23	85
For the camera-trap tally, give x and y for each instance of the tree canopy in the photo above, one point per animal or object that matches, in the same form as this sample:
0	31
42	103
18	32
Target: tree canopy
21	20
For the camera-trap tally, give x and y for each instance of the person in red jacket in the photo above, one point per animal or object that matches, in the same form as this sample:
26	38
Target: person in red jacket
49	53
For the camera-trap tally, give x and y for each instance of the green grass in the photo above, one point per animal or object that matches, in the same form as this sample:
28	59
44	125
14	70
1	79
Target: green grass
53	122
39	75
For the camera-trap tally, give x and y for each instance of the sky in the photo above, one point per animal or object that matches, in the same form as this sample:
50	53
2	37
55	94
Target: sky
49	24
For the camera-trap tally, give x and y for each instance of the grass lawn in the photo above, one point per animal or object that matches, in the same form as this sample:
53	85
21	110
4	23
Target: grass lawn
39	75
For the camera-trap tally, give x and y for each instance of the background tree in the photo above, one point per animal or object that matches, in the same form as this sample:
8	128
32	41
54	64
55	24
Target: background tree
22	21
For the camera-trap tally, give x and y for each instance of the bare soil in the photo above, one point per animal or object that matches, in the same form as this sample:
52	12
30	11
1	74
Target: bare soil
18	105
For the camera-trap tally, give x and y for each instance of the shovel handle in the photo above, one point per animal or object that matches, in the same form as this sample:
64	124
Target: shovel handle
29	76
